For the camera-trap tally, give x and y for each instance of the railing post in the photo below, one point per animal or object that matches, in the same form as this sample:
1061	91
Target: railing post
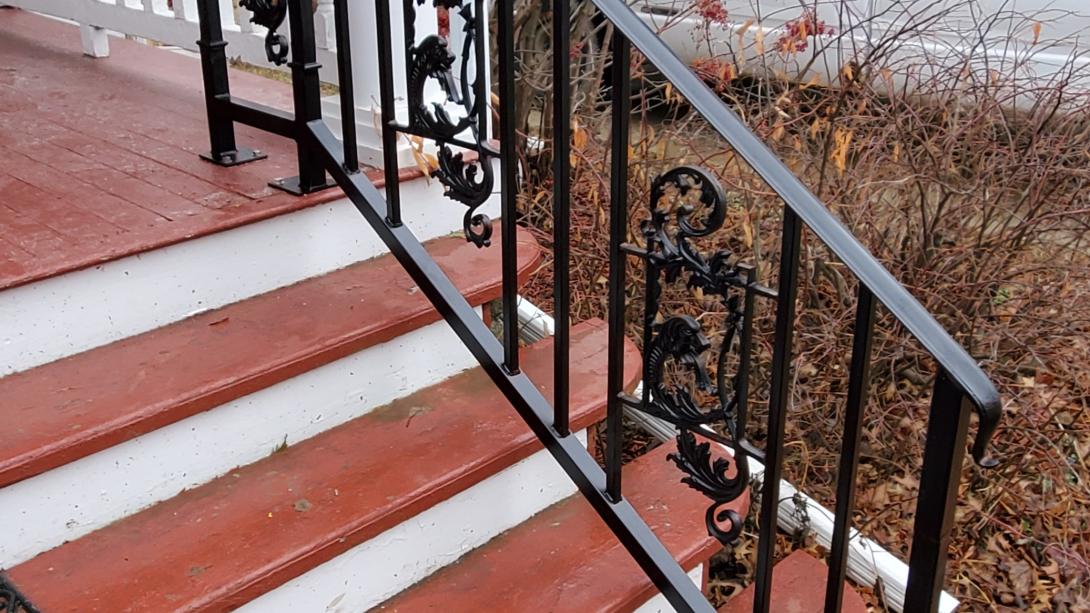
307	99
858	386
221	129
343	43
387	113
779	398
561	208
505	33
618	234
182	10
943	455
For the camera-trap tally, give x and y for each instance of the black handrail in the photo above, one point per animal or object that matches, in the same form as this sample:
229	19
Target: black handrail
523	394
960	382
898	301
959	377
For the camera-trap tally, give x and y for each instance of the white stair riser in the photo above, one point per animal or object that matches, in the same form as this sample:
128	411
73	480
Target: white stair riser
72	500
658	602
74	312
372	572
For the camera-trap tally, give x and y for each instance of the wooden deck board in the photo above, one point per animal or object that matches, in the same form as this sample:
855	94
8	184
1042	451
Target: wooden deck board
100	156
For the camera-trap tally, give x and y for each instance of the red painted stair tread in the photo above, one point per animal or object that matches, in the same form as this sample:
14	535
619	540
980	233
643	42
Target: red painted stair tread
222	544
100	156
62	411
566	559
798	586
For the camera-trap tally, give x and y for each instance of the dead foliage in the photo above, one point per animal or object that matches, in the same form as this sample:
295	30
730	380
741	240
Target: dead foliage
968	182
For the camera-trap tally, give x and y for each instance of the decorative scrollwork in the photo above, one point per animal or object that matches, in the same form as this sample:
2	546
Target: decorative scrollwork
271	14
469	181
670	254
709	476
431	59
470	184
681	339
686	204
11	601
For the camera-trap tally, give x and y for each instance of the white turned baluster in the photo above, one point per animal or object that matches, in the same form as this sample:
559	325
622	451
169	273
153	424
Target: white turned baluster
325	32
242	18
184	10
94	40
362	21
148	5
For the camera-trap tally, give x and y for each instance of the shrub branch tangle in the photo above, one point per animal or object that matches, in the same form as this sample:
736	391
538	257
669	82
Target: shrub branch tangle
964	172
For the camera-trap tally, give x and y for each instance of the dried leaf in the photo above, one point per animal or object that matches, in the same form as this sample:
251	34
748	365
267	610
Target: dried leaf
580	138
841	143
1022	577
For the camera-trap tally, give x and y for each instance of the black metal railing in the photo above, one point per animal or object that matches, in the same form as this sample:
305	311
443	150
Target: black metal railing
467	161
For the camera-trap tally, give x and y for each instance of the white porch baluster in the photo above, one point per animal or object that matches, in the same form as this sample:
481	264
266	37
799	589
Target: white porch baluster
94	40
242	18
325	34
366	78
182	10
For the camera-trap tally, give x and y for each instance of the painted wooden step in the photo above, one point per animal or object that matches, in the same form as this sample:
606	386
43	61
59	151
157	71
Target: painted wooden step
131	295
97	436
218	546
798	586
566	559
112	225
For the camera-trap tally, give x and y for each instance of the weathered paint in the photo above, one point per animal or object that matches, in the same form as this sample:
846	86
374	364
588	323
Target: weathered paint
798	586
220	545
566	559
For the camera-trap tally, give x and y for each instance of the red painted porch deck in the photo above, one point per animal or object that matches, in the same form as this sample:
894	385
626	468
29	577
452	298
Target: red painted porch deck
100	156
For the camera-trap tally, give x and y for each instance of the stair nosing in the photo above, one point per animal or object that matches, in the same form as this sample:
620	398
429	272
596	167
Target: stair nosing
697	549
67	447
454	479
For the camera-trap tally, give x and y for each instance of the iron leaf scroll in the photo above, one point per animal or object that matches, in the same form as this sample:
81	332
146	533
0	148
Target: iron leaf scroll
687	203
11	601
270	14
467	179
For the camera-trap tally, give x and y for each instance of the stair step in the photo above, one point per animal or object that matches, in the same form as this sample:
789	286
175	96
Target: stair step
78	405
119	142
567	559
135	294
220	545
798	586
100	435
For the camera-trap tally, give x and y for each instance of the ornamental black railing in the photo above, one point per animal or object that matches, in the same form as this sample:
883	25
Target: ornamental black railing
467	164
